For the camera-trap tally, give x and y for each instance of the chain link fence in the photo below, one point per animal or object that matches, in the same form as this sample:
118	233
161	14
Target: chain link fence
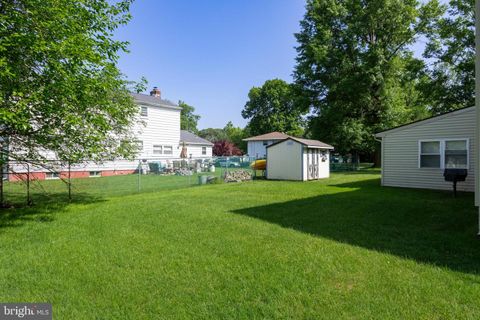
24	183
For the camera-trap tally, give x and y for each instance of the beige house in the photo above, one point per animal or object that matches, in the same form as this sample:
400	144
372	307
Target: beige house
415	155
298	159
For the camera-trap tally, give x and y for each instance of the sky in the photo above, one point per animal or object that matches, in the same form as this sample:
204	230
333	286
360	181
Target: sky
210	53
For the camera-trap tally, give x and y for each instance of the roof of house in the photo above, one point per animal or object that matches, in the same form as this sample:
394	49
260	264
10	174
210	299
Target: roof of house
423	121
268	136
306	142
191	138
154	101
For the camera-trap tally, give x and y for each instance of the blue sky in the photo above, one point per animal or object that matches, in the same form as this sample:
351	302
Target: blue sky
210	53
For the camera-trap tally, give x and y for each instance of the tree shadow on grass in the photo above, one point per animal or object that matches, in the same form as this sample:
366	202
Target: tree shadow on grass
42	209
427	226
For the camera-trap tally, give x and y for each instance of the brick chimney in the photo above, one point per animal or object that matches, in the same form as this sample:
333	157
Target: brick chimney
156	92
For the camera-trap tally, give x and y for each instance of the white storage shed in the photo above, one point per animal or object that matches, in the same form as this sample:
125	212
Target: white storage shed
298	159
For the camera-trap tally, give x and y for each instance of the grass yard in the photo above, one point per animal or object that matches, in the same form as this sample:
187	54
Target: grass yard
333	249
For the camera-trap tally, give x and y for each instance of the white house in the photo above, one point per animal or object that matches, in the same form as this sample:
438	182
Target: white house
196	147
415	155
159	137
298	159
257	146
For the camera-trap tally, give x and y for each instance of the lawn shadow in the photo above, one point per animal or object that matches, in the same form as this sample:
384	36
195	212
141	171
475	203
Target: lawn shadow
42	208
427	226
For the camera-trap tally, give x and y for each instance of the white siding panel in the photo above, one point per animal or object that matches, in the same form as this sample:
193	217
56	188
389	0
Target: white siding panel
285	161
400	153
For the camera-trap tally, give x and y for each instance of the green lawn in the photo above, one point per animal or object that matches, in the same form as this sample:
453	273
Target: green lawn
338	248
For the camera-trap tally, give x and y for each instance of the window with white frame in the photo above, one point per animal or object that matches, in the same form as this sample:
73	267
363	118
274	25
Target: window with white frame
94	174
144	111
52	175
157	149
456	154
204	151
443	153
167	150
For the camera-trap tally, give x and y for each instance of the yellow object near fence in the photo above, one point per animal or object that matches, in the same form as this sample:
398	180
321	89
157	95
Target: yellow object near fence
259	165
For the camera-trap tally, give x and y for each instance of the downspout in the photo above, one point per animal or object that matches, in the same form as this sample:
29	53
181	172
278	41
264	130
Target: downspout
477	105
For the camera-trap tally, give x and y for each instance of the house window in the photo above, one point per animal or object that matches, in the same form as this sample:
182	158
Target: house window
52	175
167	150
157	149
430	156
144	111
204	151
444	153
456	154
93	174
140	145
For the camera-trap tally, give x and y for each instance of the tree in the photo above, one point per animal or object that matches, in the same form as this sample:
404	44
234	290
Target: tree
451	46
188	119
60	88
225	148
353	62
213	134
272	107
236	135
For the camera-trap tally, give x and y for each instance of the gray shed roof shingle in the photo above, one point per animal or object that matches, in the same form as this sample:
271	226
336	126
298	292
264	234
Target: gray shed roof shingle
191	138
306	142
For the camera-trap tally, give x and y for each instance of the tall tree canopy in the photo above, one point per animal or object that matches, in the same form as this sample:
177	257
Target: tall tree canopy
355	66
451	47
273	107
188	118
60	88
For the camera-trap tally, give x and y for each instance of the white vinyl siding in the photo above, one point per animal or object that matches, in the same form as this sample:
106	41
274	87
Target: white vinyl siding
162	127
401	152
197	151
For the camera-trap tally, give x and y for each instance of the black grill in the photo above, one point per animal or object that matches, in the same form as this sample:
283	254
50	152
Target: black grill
455	175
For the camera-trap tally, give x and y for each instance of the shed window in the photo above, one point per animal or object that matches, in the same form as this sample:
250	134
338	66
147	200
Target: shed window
204	150
144	111
456	154
430	156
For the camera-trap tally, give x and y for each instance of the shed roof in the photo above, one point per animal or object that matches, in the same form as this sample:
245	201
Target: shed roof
306	142
154	101
268	136
423	121
191	138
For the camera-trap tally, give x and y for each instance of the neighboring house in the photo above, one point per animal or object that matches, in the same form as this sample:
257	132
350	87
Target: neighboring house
298	159
159	138
257	146
415	155
196	147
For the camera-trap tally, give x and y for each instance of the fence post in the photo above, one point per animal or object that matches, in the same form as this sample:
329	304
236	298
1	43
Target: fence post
139	173
69	182
29	199
2	200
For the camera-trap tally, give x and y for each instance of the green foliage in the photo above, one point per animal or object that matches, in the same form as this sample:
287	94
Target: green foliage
188	118
229	133
272	107
355	66
213	134
60	88
451	46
